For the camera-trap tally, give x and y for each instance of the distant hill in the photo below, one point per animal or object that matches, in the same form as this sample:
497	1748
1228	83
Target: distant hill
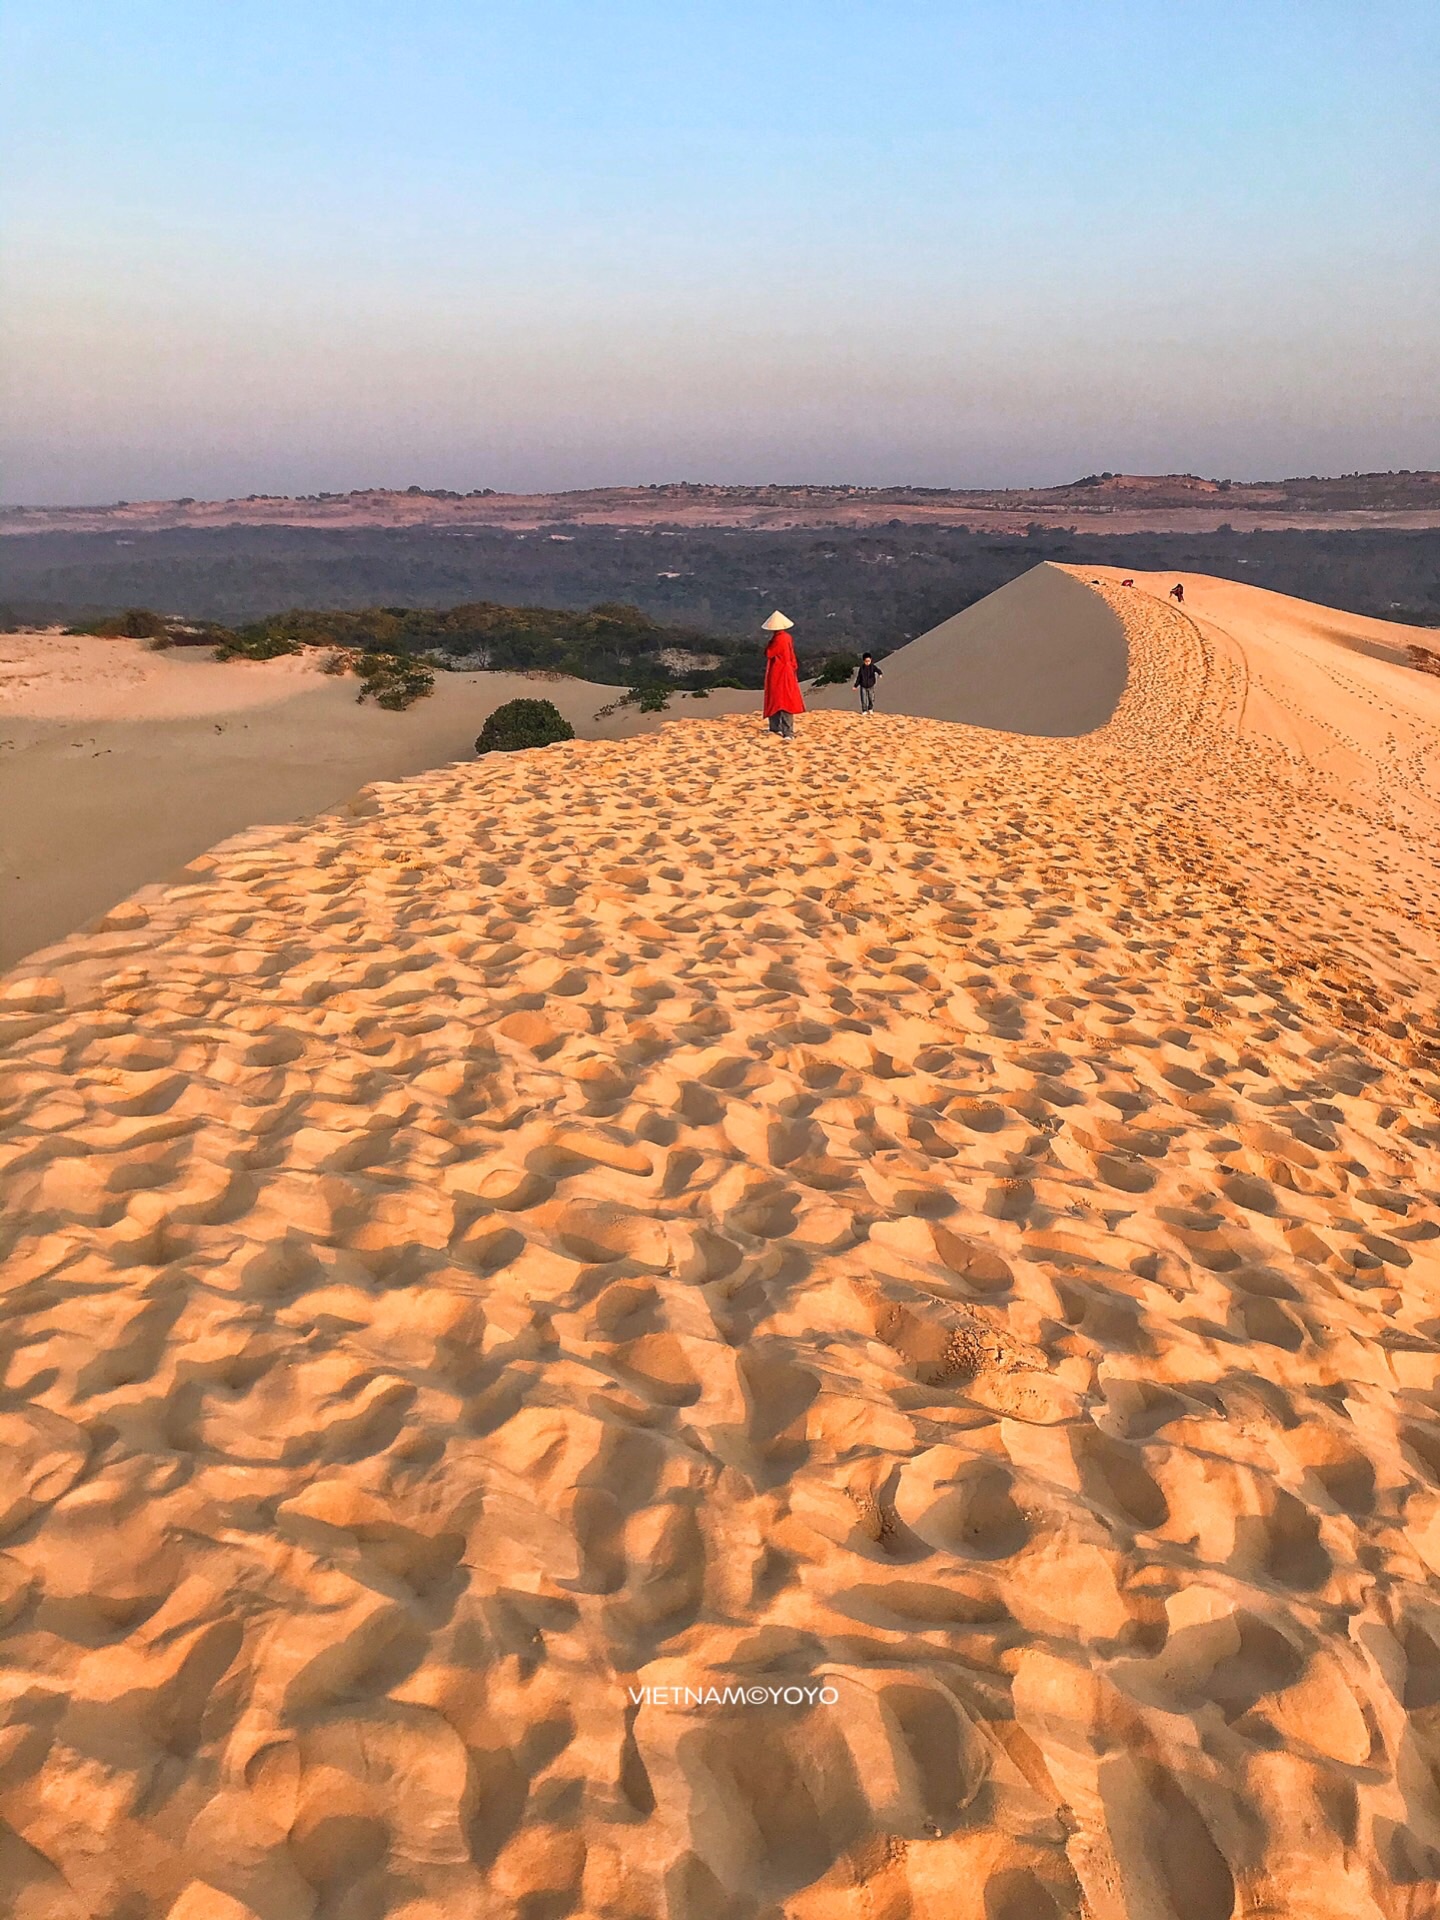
1098	502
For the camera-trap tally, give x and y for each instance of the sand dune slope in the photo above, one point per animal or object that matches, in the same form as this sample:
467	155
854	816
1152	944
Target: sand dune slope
118	765
1042	655
942	1217
51	675
1333	691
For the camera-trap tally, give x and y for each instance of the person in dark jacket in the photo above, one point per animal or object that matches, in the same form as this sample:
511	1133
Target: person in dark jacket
1177	594
865	680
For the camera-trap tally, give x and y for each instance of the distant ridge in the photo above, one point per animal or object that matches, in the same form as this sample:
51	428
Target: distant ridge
1097	502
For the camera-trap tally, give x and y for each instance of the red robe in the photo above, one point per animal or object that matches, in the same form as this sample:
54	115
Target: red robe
782	681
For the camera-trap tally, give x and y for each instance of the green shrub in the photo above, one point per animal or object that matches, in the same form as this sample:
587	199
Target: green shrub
523	723
136	623
139	623
392	681
159	630
256	643
650	699
837	670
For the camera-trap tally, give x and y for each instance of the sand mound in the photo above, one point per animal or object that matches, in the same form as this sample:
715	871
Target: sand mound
1044	655
49	675
925	1240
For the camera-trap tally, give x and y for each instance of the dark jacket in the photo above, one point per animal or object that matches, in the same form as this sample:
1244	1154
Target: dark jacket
868	675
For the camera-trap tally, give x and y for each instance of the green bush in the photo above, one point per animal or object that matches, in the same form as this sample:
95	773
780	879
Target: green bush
139	623
159	630
523	723
392	681
837	670
256	643
136	623
650	699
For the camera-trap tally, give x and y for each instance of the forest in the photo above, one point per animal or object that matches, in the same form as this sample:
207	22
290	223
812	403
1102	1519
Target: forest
608	602
612	643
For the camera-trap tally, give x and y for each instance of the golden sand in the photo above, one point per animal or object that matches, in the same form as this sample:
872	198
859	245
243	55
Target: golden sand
941	1216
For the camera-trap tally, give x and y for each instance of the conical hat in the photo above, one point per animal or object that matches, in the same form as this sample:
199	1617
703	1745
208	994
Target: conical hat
775	623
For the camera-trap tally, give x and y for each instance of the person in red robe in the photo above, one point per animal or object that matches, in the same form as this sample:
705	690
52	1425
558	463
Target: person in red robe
783	699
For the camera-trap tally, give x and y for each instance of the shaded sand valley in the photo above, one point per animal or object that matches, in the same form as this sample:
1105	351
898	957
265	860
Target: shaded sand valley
947	1216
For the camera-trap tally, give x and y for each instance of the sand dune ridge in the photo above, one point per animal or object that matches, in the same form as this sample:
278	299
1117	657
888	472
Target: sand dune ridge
944	1214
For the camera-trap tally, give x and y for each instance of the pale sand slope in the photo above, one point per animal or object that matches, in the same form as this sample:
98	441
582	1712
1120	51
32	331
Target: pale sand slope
117	765
946	1216
1333	690
47	674
1042	655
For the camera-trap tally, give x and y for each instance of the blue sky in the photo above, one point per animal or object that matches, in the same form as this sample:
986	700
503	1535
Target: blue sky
332	243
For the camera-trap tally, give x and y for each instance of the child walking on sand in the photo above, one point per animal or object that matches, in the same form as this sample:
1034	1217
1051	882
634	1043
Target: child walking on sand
865	680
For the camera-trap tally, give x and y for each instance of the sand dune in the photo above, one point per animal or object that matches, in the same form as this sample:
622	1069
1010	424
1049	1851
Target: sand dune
51	675
98	738
1332	690
941	1216
117	765
1043	655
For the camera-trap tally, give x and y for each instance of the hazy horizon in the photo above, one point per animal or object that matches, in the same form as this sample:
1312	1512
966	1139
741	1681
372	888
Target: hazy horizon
538	247
881	486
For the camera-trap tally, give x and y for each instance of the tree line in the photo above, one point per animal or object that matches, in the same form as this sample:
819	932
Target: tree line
397	651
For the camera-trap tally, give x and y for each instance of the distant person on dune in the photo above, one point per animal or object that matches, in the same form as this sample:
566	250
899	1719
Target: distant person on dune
865	680
1177	594
782	678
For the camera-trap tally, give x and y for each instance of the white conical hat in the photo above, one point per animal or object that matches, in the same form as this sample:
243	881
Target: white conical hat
776	621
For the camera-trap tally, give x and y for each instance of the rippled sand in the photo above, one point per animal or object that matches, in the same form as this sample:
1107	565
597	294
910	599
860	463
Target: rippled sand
943	1216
